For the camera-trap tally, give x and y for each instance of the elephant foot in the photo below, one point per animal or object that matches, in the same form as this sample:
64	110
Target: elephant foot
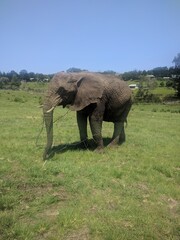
121	141
112	145
116	142
99	149
48	154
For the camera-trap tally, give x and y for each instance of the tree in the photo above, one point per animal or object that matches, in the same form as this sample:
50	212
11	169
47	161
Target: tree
24	75
39	77
3	82
176	61
160	72
176	75
12	74
109	72
15	82
31	76
132	75
73	69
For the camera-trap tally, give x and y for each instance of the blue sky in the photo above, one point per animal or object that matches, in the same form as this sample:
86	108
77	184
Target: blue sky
47	36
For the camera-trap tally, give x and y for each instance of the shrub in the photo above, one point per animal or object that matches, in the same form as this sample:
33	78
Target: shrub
19	100
143	95
169	83
161	84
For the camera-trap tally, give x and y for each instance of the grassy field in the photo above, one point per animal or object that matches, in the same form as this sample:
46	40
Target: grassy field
127	192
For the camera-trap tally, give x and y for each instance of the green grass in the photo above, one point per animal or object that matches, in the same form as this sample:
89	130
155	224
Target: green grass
34	86
127	192
163	91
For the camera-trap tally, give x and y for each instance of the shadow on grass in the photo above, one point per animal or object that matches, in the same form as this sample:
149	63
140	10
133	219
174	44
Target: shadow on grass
76	146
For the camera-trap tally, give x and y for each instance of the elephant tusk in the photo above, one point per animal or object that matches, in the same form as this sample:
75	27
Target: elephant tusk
50	110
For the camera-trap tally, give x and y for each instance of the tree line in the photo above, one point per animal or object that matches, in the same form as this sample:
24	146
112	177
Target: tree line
159	72
24	75
13	80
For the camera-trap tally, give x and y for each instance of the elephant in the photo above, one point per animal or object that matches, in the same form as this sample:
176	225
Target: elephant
96	96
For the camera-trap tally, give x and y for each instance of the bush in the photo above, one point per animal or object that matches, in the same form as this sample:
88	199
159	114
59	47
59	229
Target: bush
143	95
161	84
169	83
6	83
19	100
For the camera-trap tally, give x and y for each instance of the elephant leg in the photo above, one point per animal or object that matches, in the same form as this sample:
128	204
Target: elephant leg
82	125
96	128
122	137
95	120
119	134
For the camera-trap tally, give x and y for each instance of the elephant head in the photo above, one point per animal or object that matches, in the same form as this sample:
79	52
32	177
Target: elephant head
75	90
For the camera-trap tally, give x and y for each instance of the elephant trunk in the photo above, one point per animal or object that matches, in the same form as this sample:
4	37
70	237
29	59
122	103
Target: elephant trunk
48	119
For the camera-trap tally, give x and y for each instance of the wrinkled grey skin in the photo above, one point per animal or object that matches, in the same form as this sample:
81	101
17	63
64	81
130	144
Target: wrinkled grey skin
97	96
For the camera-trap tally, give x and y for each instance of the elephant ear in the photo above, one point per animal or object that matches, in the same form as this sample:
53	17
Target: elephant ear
89	90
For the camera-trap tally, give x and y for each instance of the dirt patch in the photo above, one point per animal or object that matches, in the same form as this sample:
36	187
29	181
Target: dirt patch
51	212
45	192
173	206
31	192
80	234
143	187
